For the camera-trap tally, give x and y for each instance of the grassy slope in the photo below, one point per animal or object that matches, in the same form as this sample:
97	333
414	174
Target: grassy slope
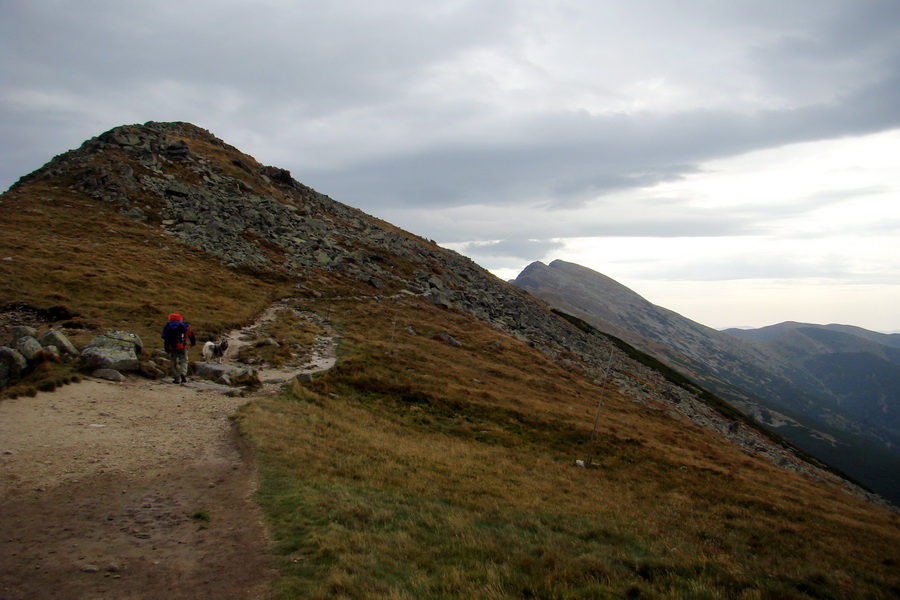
68	249
416	469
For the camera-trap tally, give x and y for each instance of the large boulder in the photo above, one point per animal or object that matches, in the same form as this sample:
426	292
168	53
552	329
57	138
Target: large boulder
113	350
12	365
54	338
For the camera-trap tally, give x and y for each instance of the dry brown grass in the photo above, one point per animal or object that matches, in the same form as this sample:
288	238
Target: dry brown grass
416	469
115	272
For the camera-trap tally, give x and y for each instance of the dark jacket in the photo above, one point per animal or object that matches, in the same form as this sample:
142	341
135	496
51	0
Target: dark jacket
176	336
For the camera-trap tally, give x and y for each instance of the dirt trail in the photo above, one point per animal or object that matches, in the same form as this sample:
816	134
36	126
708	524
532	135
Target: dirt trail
131	490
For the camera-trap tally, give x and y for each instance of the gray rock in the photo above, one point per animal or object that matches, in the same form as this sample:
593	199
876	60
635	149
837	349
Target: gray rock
20	331
121	138
28	347
439	298
110	358
449	339
227	374
109	375
134	213
54	351
54	338
118	339
12	365
178	189
113	350
188	216
177	149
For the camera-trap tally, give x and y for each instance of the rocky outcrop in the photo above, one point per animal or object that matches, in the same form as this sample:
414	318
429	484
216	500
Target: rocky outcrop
259	217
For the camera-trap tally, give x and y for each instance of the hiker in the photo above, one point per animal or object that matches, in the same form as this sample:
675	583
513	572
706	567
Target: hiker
176	335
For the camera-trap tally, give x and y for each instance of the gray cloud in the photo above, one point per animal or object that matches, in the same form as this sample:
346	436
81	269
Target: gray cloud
397	106
503	127
513	251
608	153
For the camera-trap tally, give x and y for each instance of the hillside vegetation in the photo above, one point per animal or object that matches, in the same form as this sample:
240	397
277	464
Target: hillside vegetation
418	469
830	390
437	458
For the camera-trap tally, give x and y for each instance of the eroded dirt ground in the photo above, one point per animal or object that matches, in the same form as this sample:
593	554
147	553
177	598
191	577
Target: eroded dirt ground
127	490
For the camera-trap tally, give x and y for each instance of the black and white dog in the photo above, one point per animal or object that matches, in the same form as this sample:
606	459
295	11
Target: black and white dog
213	352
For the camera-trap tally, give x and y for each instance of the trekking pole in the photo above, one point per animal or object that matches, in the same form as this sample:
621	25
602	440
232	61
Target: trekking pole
590	454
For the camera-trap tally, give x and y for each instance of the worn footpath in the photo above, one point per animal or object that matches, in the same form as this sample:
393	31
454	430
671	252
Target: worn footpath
141	489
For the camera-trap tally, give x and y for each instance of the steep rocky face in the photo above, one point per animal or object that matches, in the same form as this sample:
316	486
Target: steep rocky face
795	371
209	195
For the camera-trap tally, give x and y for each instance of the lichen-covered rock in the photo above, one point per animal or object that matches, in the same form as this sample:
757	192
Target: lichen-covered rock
113	350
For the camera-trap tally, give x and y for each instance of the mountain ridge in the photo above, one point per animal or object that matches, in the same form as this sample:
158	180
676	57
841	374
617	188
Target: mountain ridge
780	375
437	457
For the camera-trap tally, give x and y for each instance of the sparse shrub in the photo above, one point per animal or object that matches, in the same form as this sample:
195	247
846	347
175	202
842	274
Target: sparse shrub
201	515
45	376
47	386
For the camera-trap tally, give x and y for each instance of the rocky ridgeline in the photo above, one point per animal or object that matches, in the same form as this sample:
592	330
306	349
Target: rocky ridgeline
208	195
251	215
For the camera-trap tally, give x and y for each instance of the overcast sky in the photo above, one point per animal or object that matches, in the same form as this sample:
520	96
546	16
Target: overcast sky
737	161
